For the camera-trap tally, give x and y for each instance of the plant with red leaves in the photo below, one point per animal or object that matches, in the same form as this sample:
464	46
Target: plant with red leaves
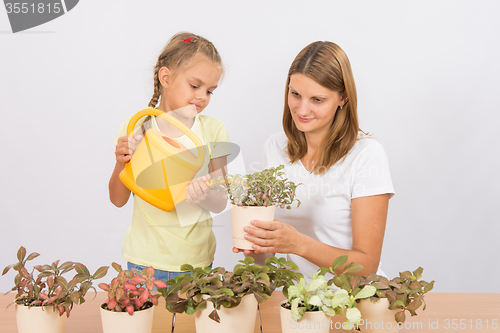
131	290
49	287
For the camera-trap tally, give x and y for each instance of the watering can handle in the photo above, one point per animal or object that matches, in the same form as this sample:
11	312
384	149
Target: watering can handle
155	112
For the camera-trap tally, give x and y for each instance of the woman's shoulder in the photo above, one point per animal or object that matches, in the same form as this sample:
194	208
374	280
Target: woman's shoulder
366	145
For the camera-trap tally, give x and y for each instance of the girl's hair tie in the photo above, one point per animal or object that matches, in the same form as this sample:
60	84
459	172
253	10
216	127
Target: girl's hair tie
187	40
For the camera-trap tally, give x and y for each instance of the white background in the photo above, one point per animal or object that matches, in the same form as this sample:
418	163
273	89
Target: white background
427	74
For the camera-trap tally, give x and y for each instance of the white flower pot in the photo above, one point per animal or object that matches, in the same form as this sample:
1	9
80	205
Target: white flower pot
311	322
122	322
34	319
377	317
240	319
241	217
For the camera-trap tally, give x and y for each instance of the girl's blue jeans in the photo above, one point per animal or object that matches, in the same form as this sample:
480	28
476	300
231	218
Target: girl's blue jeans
159	274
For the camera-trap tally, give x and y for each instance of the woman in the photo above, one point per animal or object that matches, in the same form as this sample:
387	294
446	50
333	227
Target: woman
345	175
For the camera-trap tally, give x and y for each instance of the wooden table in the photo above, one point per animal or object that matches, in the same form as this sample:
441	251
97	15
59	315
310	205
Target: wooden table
446	312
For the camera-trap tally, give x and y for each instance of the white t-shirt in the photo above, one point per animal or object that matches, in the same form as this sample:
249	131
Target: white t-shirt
325	210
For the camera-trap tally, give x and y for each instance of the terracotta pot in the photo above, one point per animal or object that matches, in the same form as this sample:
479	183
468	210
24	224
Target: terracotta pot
122	322
241	217
376	317
311	322
239	319
34	319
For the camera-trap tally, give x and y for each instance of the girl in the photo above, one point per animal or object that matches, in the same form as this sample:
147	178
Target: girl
347	184
185	76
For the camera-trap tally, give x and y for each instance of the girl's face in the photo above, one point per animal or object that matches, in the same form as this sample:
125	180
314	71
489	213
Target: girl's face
312	106
192	86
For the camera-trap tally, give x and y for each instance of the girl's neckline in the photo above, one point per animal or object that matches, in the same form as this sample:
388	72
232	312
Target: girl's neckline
155	124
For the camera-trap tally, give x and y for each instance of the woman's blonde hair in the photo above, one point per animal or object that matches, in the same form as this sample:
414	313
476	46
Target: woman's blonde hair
327	64
180	52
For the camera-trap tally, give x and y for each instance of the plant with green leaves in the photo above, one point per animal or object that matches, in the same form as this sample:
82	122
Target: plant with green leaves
264	188
404	293
48	287
190	292
320	295
131	290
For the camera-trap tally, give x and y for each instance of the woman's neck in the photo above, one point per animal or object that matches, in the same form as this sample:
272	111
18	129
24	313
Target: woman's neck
311	157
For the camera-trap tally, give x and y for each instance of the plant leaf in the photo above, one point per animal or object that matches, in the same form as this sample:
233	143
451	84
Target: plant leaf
339	262
367	291
21	253
352	267
101	272
400	317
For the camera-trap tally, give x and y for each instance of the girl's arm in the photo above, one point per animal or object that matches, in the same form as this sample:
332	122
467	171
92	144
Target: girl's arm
118	192
198	192
369	215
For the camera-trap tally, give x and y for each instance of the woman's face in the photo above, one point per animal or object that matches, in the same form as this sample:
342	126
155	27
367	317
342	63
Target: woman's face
312	106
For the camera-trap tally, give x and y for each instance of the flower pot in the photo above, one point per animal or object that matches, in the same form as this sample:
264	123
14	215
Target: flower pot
311	322
121	322
239	319
35	319
241	217
377	317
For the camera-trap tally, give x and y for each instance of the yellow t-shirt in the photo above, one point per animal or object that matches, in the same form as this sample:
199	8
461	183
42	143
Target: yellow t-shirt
157	238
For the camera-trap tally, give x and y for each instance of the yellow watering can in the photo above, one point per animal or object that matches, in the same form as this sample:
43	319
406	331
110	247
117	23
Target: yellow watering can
161	168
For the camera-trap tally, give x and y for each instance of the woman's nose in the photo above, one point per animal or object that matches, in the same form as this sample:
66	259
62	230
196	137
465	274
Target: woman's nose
302	109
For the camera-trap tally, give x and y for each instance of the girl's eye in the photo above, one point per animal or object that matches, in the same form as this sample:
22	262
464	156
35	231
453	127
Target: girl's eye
210	92
194	87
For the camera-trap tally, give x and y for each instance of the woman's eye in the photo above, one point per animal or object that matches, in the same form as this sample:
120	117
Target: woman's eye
295	94
318	100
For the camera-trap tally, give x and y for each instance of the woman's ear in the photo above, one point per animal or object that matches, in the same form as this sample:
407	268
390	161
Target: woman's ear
345	98
164	76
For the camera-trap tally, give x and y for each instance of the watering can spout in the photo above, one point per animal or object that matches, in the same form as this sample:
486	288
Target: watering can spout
161	167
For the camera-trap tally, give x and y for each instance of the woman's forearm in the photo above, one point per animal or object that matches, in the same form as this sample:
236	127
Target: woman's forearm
323	255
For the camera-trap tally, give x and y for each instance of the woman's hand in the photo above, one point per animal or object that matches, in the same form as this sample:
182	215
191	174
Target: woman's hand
274	236
198	191
125	148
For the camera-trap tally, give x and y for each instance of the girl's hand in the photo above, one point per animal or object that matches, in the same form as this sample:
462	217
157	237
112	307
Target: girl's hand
125	148
236	250
277	236
198	190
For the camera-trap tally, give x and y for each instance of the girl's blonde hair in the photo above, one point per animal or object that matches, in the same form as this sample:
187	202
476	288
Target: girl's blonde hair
180	52
327	64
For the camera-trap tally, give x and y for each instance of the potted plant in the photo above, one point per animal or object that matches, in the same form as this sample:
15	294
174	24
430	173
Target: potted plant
385	311
129	306
44	295
255	197
224	301
309	307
